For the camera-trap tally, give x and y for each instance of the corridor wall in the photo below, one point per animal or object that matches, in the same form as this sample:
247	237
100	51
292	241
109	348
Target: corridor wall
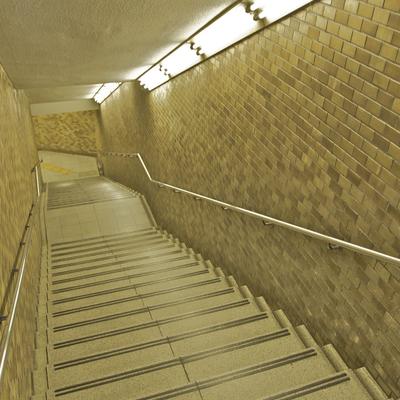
17	156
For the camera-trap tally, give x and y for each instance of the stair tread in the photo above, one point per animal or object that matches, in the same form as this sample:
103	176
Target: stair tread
139	315
209	361
175	292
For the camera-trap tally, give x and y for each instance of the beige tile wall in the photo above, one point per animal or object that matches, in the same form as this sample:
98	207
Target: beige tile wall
17	156
73	132
301	122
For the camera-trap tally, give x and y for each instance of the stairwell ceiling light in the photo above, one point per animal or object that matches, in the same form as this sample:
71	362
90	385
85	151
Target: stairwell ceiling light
183	58
272	11
225	31
235	24
153	78
105	90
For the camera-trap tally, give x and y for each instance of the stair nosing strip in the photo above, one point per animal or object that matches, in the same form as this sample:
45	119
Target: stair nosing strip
164	340
175	318
131	298
108	257
110	250
310	387
98	240
237	374
174	362
151	229
116	261
110	244
117	279
109	291
110	317
124	262
122	269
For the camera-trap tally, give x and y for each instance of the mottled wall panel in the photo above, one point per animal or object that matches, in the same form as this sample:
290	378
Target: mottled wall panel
17	156
300	122
73	132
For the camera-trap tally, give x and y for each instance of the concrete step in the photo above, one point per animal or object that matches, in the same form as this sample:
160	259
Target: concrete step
135	273
219	324
78	243
165	256
126	254
144	320
215	359
245	383
135	304
108	245
140	314
162	278
119	297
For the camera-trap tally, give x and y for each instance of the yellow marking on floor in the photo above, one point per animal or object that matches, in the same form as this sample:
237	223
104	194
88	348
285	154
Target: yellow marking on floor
57	169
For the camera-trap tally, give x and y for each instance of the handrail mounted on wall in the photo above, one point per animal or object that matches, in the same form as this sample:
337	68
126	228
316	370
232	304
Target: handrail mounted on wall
267	220
18	271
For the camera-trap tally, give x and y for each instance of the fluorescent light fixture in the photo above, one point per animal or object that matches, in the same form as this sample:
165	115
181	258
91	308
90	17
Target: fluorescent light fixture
272	11
105	90
153	78
226	30
236	24
180	60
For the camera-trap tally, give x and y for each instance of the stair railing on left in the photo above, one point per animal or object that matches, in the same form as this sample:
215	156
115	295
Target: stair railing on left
18	272
267	220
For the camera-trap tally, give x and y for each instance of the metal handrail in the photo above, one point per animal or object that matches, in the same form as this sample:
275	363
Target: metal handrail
19	268
332	241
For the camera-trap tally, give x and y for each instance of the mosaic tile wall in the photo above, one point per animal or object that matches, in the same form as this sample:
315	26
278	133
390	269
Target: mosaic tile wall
73	132
300	122
17	156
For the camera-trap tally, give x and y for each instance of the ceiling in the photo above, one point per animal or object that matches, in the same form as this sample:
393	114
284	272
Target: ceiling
58	49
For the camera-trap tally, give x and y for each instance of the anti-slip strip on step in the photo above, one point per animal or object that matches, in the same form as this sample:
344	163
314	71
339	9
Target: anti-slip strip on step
111	256
137	232
110	245
311	387
93	195
101	241
84	203
110	253
120	289
110	317
75	203
123	278
173	362
155	323
116	260
167	339
116	249
135	297
123	269
241	373
120	263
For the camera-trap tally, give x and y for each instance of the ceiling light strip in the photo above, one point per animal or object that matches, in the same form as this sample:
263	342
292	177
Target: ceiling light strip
106	89
238	22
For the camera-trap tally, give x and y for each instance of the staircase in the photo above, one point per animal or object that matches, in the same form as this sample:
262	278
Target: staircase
132	313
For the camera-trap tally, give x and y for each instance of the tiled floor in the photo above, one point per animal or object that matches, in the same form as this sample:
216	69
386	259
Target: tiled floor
103	218
62	166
